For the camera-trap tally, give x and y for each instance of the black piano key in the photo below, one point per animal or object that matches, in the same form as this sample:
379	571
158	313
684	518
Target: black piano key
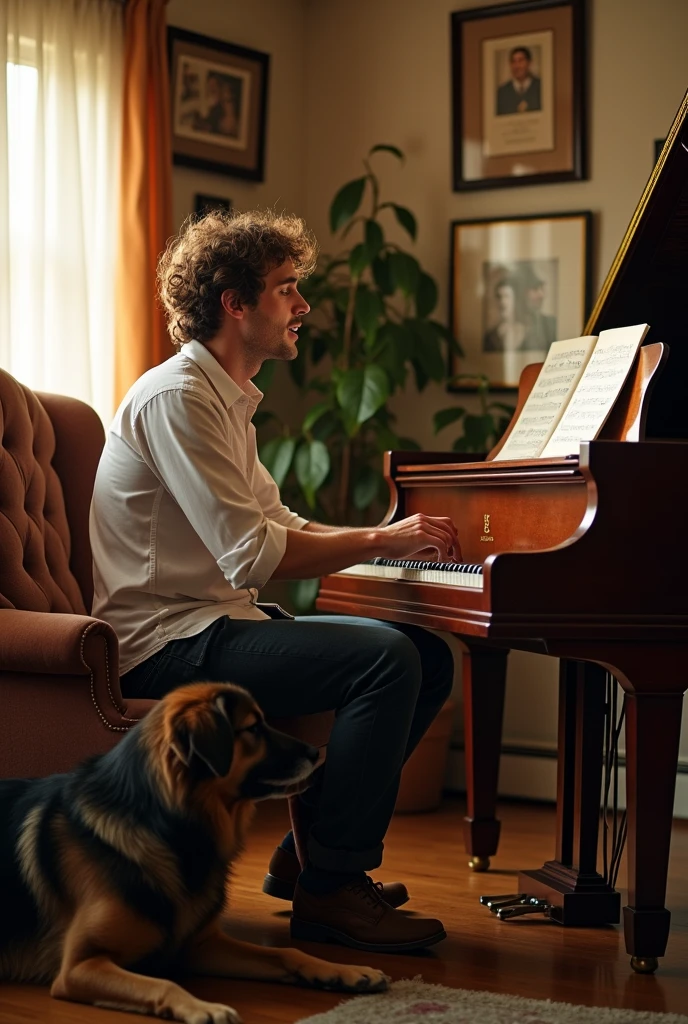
405	563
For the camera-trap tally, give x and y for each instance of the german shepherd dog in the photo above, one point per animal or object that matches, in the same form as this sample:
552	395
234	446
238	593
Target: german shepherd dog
114	876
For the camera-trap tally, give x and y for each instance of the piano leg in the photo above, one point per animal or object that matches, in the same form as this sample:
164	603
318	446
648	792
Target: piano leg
578	894
484	680
653	726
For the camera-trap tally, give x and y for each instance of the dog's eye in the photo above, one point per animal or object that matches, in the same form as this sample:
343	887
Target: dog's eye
253	729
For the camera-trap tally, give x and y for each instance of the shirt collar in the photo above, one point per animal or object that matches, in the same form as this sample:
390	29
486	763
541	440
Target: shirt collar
229	390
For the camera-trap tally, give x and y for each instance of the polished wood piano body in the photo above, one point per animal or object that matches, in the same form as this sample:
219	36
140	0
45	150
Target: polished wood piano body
584	559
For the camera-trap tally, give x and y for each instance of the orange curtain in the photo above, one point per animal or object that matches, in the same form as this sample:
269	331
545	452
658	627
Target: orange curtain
145	218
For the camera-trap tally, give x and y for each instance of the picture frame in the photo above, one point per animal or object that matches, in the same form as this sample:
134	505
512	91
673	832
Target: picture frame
218	104
517	284
518	94
204	203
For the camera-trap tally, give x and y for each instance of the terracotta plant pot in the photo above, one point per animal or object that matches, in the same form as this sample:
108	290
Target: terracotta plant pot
422	778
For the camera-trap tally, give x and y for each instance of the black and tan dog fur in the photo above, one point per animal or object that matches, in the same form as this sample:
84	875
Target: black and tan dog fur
114	877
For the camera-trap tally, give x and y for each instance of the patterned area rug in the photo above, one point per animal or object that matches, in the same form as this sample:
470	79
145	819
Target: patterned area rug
414	1002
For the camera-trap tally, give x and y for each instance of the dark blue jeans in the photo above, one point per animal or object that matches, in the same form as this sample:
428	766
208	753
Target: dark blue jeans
385	682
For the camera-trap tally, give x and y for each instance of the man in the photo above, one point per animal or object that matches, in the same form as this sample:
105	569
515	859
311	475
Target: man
521	94
187	526
541	327
508	333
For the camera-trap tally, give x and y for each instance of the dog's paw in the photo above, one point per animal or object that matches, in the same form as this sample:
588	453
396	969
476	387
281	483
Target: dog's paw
344	978
200	1012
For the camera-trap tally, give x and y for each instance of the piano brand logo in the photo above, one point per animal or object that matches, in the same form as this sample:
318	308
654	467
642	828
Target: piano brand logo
486	529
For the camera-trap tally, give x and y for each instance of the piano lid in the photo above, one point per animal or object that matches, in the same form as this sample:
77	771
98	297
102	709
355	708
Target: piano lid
648	280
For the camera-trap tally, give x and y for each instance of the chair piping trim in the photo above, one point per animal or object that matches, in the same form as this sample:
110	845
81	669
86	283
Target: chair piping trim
106	723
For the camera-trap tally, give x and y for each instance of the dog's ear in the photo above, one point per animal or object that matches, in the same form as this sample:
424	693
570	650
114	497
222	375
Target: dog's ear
205	743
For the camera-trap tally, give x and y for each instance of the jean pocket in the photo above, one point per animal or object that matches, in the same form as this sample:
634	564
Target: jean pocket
192	649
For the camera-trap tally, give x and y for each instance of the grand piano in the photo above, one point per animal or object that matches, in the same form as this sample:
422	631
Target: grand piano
581	558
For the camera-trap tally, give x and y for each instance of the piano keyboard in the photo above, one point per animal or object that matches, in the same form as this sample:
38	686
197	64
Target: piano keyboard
455	574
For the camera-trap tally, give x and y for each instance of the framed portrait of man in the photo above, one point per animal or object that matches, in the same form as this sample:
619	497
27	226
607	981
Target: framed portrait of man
517	94
517	285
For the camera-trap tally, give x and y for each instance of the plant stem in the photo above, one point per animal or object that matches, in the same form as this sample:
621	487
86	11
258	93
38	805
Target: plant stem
344	475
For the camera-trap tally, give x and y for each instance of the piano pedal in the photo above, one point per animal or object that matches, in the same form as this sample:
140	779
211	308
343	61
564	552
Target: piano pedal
516	905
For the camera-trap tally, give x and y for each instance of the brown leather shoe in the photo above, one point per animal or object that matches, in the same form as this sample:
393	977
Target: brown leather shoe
356	915
284	870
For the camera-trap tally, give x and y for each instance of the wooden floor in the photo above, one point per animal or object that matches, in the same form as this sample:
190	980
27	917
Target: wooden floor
529	957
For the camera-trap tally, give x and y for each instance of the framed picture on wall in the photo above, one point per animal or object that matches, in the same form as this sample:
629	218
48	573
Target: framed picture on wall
516	286
219	102
518	94
206	204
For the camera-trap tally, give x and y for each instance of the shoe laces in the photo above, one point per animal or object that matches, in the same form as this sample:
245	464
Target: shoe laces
371	891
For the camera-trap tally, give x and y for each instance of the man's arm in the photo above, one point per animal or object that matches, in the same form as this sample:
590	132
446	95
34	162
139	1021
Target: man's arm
317	550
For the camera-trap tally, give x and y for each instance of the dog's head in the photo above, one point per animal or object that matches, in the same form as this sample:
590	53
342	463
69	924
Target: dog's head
213	741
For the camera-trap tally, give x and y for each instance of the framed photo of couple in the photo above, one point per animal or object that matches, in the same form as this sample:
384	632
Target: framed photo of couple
518	94
219	102
516	286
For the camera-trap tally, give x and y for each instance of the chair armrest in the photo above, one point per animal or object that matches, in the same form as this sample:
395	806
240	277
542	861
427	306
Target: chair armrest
53	643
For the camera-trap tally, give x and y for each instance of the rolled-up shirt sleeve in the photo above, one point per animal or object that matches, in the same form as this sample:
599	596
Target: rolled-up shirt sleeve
183	439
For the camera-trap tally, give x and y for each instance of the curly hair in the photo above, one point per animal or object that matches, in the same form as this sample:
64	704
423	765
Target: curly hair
226	250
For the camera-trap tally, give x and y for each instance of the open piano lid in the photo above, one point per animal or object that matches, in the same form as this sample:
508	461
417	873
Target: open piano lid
648	280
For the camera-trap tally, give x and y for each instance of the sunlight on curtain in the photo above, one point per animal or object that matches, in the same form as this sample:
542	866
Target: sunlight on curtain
60	136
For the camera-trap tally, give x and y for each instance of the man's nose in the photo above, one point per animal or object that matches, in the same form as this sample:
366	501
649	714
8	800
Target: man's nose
301	307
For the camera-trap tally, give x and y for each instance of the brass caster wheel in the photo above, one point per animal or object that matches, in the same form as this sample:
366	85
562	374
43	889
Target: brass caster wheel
478	864
644	964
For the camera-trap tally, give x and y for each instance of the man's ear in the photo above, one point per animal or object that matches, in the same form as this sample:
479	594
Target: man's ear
232	304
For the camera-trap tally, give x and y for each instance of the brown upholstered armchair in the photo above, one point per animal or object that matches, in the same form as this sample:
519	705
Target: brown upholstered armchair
59	667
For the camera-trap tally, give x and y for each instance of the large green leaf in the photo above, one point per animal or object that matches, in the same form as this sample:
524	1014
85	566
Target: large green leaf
404	271
312	464
444	417
314	414
345	203
382	276
360	394
276	455
366	487
358	259
426	295
427	350
477	432
263	378
368	309
381	147
406	219
374	239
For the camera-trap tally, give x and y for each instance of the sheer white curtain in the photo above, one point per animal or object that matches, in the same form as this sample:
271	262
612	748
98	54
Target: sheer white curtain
61	64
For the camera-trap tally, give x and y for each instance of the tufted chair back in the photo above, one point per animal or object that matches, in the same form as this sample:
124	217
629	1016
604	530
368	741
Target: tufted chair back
49	451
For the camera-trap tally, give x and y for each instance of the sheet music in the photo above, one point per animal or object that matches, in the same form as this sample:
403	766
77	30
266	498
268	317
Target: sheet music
552	391
598	389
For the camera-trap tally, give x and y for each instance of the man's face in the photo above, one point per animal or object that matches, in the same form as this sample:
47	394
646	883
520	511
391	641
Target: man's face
506	301
270	331
520	66
535	297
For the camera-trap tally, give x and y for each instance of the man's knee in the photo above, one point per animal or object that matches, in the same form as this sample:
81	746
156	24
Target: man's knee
389	659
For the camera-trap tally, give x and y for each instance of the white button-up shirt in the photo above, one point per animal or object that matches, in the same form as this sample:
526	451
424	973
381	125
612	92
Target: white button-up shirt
186	523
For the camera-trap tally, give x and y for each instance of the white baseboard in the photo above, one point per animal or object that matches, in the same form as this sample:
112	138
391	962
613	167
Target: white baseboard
532	775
